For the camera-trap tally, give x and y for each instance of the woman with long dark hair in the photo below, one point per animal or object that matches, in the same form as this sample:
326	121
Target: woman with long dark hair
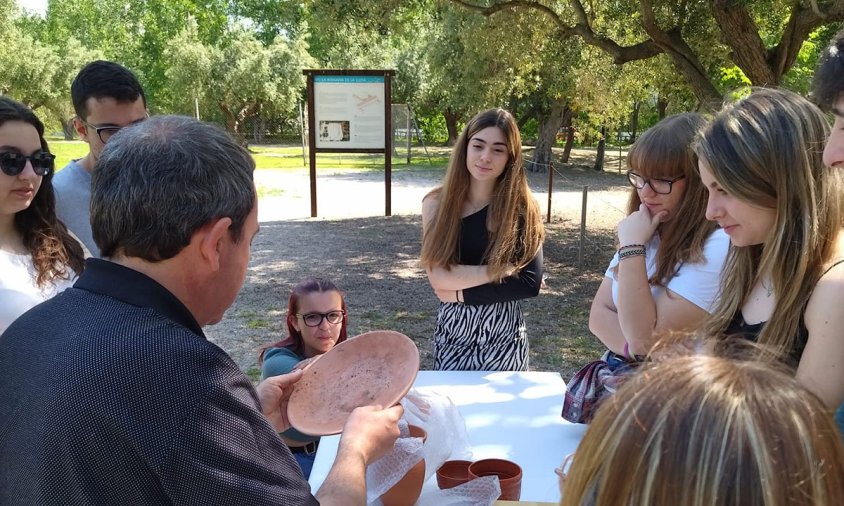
482	239
38	257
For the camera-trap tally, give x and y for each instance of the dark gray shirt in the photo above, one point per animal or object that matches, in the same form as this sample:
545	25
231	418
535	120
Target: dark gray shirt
111	394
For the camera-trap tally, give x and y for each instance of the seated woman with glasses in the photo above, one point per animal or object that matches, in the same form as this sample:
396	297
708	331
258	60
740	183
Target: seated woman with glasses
666	273
316	322
38	257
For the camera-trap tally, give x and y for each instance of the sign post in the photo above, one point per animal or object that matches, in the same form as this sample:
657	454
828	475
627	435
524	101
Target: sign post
349	111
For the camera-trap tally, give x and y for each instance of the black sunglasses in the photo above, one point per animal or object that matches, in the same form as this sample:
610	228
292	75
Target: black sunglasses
12	163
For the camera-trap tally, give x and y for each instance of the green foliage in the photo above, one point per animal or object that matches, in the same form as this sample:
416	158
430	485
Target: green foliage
529	131
241	78
799	77
731	78
433	128
242	61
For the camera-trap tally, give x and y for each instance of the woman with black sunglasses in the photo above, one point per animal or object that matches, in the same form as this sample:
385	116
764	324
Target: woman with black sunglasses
38	257
665	275
316	322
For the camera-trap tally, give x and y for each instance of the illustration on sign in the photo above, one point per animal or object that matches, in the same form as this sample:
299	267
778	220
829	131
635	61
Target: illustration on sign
349	111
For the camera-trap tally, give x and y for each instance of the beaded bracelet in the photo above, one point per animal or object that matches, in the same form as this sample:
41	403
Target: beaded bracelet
631	246
631	252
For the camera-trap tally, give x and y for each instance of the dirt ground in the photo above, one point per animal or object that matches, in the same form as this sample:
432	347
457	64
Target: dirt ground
374	258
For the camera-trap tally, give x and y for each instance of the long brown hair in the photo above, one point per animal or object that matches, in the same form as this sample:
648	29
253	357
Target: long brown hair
707	431
514	222
46	238
665	151
293	341
767	150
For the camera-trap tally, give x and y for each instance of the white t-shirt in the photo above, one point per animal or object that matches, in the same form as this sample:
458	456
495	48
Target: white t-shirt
698	283
18	291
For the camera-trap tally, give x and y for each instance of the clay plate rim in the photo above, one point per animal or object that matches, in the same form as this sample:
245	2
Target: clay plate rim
298	412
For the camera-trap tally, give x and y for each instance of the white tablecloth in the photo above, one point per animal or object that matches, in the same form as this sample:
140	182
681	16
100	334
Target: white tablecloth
510	415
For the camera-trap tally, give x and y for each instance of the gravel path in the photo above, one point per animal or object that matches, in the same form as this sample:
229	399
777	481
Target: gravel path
374	259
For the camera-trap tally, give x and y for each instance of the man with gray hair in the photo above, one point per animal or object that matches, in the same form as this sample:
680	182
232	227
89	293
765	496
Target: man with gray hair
111	394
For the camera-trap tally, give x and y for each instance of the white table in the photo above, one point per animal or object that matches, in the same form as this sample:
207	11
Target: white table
511	415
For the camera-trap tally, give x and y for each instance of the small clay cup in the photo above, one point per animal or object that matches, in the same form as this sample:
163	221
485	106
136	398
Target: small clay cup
509	474
407	490
453	473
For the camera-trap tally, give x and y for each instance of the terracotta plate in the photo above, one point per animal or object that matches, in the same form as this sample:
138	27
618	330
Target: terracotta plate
377	367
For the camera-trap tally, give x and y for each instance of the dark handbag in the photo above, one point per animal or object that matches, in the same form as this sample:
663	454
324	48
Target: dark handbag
593	383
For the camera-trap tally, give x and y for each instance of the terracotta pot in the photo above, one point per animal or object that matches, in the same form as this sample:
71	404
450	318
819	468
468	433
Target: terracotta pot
407	490
509	474
453	473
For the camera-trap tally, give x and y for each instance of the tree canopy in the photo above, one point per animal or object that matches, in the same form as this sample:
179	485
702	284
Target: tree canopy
620	64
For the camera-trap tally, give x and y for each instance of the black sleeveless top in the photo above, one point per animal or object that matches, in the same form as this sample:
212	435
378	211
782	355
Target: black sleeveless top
738	327
750	331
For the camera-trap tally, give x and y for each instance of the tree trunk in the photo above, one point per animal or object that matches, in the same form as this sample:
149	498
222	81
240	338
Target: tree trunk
451	125
228	117
634	120
738	31
567	116
682	56
763	66
661	107
602	145
259	128
547	135
67	129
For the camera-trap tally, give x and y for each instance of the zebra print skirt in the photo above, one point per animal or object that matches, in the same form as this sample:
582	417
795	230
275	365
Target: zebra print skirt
488	337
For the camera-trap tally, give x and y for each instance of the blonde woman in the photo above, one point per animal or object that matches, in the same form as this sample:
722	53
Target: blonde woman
482	248
707	431
666	273
761	159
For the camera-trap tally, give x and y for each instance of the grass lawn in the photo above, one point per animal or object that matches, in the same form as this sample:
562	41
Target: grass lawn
287	158
66	151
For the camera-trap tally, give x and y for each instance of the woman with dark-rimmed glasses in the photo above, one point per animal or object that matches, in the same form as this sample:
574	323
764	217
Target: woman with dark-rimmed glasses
666	272
38	257
316	322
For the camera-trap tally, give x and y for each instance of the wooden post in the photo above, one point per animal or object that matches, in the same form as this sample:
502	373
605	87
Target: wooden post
312	143
619	151
302	126
407	131
388	142
582	228
550	188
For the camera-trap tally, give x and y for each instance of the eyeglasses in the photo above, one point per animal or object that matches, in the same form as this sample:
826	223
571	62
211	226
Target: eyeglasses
315	319
12	163
106	132
661	186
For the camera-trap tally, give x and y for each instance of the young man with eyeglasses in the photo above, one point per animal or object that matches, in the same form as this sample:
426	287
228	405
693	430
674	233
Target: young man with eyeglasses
106	97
